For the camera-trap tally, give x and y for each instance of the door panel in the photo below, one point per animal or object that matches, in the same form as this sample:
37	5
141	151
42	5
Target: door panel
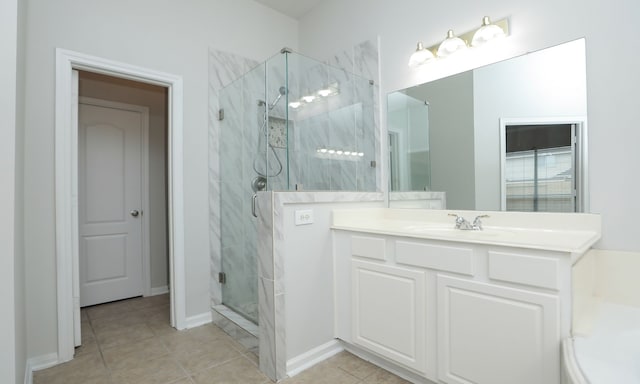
388	312
109	184
489	334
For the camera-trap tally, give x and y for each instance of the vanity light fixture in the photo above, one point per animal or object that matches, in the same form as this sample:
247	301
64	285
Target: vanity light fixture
421	56
488	31
451	45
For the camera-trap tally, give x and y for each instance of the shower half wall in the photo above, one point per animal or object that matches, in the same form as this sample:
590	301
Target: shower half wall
343	120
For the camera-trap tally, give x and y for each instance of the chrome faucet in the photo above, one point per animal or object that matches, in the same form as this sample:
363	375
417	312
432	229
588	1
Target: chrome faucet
463	224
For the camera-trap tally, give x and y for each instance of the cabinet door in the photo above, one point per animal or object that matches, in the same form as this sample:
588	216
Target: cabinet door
388	312
488	334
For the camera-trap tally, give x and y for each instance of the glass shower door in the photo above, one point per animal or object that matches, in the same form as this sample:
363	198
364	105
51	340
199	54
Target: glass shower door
239	134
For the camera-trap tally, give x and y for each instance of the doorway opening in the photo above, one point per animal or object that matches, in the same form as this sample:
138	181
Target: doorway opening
122	185
66	177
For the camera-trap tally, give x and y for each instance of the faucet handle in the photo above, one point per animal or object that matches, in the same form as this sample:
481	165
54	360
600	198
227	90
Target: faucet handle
477	223
459	220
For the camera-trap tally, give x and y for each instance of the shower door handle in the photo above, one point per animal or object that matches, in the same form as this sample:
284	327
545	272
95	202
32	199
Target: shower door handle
253	205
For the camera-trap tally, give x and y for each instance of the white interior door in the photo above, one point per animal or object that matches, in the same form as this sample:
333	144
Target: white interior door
110	202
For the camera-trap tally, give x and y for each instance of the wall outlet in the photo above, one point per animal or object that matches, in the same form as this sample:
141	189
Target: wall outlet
304	217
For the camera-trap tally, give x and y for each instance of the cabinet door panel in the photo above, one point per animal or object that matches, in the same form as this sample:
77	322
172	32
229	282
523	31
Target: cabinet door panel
489	334
388	309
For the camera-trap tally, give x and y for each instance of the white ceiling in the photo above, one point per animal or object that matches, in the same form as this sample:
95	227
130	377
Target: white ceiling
293	8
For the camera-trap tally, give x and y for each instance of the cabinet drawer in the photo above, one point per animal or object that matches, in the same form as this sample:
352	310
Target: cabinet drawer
370	247
524	269
439	257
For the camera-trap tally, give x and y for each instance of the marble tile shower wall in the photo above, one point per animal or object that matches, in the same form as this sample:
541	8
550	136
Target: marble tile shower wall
236	137
240	138
345	121
228	202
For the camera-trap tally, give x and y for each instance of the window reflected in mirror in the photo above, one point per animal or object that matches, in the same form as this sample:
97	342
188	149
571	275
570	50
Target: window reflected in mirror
540	162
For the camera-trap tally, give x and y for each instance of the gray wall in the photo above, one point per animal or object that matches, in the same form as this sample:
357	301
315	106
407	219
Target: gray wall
13	343
452	138
514	89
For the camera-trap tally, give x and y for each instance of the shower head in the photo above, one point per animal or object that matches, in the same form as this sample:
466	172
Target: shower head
281	92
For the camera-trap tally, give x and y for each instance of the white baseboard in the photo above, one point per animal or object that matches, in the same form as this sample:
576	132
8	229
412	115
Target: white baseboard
38	363
313	357
198	320
159	290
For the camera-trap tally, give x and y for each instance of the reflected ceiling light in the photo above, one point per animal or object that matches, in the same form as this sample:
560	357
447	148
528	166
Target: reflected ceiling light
420	56
330	90
451	45
308	98
487	33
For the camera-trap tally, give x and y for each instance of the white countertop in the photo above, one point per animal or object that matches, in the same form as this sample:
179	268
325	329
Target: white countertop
574	233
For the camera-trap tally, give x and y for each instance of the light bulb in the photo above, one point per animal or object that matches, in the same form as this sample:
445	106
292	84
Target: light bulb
332	151
451	45
324	92
360	154
308	98
486	33
420	56
295	104
323	150
339	152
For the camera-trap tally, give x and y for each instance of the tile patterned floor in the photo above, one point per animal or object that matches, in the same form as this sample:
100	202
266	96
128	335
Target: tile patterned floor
131	342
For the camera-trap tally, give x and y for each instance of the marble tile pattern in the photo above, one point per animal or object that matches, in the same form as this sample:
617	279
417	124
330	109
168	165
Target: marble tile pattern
246	92
228	201
418	199
201	355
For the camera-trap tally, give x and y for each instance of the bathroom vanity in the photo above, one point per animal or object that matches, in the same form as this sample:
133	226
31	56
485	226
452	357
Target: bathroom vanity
454	306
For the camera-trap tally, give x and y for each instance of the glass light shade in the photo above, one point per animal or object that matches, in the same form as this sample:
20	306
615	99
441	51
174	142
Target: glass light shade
420	56
486	33
451	45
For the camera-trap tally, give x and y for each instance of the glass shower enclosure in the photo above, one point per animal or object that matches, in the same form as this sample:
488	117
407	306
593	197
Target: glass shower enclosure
291	123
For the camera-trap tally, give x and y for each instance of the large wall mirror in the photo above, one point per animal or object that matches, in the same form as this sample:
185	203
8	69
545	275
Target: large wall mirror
508	136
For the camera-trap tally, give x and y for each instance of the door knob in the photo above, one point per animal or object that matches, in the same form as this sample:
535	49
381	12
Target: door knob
134	213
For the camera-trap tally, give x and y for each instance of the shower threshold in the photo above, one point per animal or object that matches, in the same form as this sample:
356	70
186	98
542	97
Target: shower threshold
239	328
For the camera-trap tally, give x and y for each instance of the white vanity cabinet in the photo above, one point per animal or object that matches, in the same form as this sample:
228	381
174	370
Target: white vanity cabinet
389	312
447	306
454	313
492	334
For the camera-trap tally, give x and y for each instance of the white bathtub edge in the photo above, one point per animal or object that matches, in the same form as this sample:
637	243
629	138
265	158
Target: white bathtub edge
571	372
